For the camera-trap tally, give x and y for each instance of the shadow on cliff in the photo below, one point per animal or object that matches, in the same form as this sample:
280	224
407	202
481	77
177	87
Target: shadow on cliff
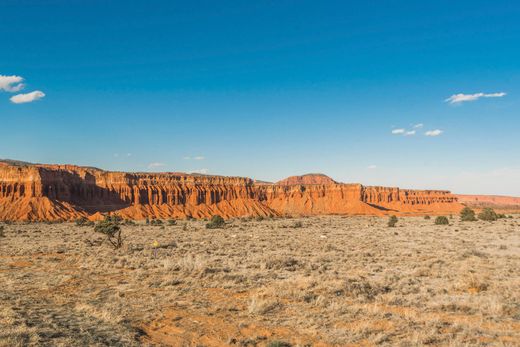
82	192
381	208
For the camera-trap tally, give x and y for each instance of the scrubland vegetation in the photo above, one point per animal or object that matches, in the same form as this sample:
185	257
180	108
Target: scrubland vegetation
321	281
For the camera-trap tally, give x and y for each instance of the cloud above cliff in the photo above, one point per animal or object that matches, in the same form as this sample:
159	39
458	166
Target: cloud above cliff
156	165
433	133
11	84
460	98
199	157
29	97
199	171
399	131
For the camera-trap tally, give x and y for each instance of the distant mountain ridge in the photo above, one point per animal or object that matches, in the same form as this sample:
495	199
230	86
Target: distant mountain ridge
53	192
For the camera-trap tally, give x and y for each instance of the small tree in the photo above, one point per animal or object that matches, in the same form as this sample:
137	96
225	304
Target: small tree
392	221
216	222
427	217
172	222
467	215
111	229
488	214
442	220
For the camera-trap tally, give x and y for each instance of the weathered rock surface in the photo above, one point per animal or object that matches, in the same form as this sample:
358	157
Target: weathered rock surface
52	192
498	202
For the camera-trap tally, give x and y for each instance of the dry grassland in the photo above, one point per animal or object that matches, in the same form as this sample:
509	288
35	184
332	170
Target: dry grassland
322	281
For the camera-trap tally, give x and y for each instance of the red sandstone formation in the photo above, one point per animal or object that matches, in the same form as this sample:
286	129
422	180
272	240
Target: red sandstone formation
306	179
498	202
52	192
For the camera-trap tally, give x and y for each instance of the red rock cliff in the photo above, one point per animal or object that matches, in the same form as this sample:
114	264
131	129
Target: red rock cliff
50	192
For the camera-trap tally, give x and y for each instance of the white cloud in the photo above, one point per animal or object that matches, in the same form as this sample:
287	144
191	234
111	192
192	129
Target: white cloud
398	131
199	157
11	84
459	98
418	126
199	171
128	154
409	133
435	132
155	165
29	97
372	167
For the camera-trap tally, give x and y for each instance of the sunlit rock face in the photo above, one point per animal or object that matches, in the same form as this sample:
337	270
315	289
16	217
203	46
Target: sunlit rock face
54	192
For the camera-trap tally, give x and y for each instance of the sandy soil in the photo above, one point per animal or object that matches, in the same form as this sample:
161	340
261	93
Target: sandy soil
323	281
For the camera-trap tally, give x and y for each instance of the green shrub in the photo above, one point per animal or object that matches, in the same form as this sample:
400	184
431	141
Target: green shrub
392	221
84	222
279	344
111	229
129	222
172	222
427	217
2	231
501	215
216	222
156	222
467	215
298	225
488	214
147	221
442	220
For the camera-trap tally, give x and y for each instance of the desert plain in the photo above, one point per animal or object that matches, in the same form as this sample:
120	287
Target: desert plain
316	281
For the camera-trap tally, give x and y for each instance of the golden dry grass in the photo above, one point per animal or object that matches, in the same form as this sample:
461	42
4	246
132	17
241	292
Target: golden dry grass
332	281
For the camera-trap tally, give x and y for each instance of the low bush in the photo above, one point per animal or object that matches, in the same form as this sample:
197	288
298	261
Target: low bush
2	231
216	222
156	222
392	221
298	225
427	217
83	222
442	220
172	222
488	214
467	215
129	222
279	344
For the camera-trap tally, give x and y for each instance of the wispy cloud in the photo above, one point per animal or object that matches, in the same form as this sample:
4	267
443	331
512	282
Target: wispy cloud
199	171
11	84
409	133
372	167
432	133
155	165
199	157
399	131
418	126
29	97
459	98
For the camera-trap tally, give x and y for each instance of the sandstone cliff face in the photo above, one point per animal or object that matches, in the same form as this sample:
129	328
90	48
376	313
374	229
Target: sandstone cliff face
498	202
51	192
306	179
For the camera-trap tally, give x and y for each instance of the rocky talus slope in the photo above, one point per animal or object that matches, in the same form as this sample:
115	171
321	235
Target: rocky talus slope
53	192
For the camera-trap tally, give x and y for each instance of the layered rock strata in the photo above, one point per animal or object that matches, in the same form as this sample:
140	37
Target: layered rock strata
53	192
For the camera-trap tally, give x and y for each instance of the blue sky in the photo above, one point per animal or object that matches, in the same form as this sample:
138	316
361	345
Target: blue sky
268	89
